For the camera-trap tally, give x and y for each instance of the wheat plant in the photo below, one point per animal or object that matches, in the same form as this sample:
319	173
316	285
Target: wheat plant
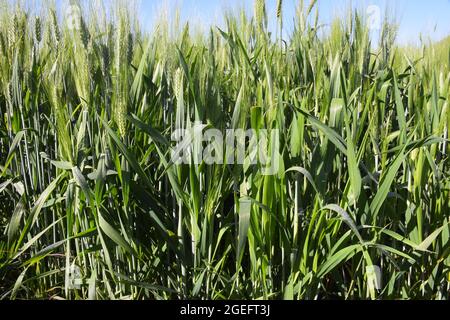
92	207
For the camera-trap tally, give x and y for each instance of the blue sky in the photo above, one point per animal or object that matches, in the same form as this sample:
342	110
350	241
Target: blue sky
415	17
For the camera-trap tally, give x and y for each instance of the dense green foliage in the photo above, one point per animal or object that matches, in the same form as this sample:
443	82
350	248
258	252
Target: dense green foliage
88	192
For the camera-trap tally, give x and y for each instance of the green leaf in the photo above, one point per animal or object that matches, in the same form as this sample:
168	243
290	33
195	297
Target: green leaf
347	219
14	224
12	149
336	259
431	238
331	135
114	235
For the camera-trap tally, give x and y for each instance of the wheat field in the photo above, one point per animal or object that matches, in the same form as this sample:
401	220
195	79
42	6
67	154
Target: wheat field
93	207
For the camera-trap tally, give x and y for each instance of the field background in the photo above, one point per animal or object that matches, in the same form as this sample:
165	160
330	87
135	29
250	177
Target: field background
92	208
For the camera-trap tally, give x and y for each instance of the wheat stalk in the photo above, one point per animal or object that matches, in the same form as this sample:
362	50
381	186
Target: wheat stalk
260	13
130	48
12	32
55	32
279	9
311	6
84	34
38	29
